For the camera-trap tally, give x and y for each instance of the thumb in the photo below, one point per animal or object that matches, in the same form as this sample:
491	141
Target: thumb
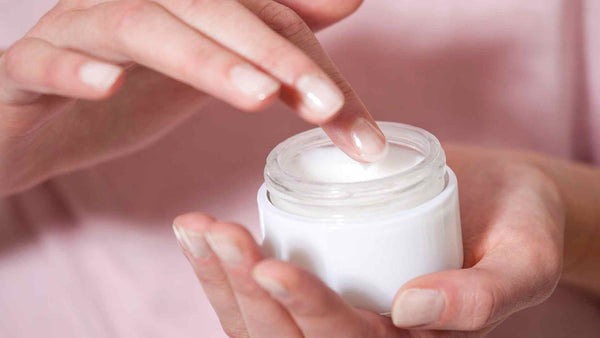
472	299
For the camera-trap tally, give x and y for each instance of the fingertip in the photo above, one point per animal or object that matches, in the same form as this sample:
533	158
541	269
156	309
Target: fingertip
103	78
268	279
369	142
321	99
256	106
194	221
233	243
257	88
189	230
358	136
441	301
417	307
274	269
294	279
114	89
230	229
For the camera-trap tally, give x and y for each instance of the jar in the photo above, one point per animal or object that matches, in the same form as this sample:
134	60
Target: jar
364	229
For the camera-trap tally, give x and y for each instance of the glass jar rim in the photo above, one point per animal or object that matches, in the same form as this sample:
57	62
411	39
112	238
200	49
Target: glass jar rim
288	186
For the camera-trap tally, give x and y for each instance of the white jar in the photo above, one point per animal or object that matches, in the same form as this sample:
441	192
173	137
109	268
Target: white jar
365	230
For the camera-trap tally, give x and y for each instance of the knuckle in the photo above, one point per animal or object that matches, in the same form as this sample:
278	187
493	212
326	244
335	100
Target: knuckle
218	280
191	6
250	106
13	59
484	304
133	15
197	57
283	56
52	73
282	19
302	307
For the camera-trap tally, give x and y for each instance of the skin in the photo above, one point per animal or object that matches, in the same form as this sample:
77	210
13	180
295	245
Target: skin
515	207
166	59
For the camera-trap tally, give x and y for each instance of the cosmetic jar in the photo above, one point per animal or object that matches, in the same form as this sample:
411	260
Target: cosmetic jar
364	229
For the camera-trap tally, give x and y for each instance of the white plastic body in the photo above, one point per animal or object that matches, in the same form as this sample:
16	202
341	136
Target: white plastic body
367	260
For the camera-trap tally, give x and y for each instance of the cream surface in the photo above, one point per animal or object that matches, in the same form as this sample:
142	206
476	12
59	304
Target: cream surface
331	165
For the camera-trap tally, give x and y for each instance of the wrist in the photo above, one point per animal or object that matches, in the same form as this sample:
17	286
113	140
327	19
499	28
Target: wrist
579	188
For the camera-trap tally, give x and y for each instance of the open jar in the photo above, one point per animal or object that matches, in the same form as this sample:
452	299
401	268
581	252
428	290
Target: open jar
364	229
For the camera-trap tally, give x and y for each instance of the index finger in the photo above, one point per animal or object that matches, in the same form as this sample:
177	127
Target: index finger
352	129
278	41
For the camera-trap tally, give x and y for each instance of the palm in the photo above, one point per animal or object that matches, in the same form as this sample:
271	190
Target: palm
501	202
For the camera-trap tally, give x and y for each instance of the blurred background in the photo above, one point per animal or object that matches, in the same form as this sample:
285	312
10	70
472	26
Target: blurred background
512	73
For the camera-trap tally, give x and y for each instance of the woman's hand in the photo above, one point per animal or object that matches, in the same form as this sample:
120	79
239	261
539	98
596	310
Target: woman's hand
148	62
512	218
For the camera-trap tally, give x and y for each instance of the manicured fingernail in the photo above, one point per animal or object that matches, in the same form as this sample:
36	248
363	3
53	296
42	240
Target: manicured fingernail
369	142
417	307
99	75
192	241
320	96
225	248
273	287
252	82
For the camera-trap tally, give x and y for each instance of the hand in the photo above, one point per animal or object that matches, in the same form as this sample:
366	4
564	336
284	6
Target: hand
95	79
512	230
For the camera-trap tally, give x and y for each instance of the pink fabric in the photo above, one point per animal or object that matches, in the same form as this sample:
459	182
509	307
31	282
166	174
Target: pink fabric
91	254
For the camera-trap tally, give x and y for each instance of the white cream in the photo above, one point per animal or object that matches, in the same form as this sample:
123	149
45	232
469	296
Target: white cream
331	165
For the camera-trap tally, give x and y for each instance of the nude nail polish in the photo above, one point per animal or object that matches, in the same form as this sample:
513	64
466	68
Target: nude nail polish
192	241
225	248
99	75
321	96
272	286
252	82
415	307
368	141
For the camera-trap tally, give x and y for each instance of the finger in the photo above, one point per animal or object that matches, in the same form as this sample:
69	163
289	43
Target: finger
238	253
353	129
277	40
189	230
32	66
322	13
475	298
319	98
144	32
318	310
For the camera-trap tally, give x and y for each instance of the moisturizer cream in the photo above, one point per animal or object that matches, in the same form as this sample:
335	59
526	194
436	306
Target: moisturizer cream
364	229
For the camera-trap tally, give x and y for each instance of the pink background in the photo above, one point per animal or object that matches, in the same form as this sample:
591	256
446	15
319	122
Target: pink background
92	253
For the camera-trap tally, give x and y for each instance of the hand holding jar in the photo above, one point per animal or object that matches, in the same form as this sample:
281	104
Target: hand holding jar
513	216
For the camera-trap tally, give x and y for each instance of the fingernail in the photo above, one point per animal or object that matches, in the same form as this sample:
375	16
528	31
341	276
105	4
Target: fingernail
273	287
369	142
99	75
417	307
320	96
192	241
253	82
225	248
